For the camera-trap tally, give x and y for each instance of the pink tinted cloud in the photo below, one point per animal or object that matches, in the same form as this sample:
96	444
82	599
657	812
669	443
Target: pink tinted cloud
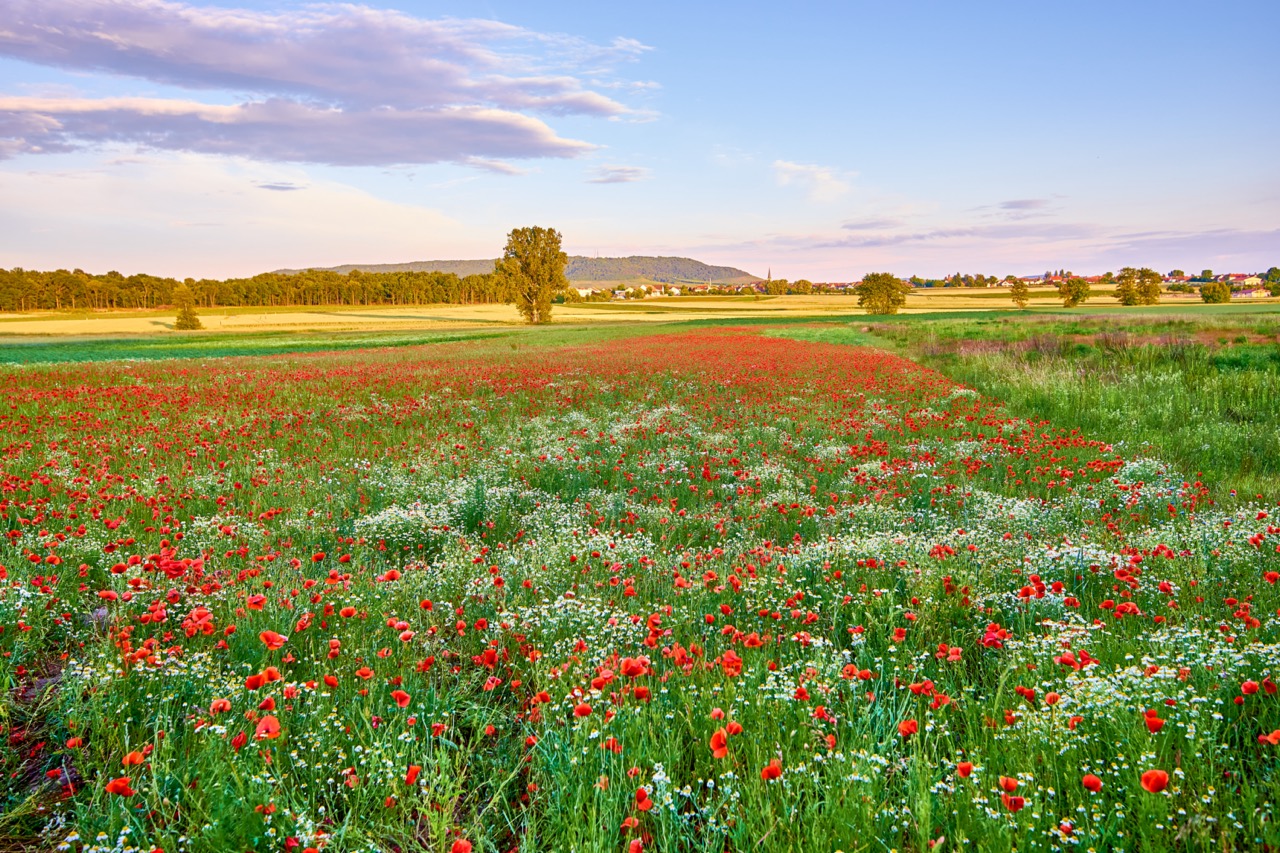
284	130
318	78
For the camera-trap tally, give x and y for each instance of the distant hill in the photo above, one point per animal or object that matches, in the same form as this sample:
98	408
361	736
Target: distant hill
667	270
644	267
459	268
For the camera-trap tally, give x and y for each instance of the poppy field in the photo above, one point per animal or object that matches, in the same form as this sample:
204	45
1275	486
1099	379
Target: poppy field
705	590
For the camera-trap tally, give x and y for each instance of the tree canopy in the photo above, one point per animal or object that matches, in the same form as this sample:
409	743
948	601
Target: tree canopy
881	293
30	290
1216	291
1020	293
1074	291
532	267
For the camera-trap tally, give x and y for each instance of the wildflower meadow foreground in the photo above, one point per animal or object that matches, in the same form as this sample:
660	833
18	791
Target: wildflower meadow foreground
718	590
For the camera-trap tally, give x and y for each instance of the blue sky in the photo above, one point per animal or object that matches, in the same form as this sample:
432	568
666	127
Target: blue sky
819	140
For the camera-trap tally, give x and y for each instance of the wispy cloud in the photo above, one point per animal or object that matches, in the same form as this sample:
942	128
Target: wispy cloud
822	183
1024	204
873	224
327	83
618	175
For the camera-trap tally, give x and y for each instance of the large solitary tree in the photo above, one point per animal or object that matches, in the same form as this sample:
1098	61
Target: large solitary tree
532	267
881	293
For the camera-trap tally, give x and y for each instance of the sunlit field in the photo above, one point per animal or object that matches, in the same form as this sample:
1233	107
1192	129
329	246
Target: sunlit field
456	318
694	589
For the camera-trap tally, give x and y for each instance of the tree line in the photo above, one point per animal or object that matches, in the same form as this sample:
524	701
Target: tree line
61	290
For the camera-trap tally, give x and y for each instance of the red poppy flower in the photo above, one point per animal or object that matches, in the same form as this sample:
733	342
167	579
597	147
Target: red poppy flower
772	770
582	709
268	728
461	846
643	803
1013	804
120	787
1091	783
1155	781
1008	784
133	758
272	640
907	728
964	768
412	775
719	744
219	706
401	698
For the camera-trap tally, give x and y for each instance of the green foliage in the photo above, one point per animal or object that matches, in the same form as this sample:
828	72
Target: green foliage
1176	273
1148	286
29	290
1074	291
187	320
1020	293
881	293
1138	286
532	268
1144	379
1127	286
1216	292
802	287
776	286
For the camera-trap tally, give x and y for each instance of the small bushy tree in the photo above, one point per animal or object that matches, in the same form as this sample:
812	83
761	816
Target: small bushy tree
1216	292
1148	286
1074	291
1127	286
881	293
1020	293
185	302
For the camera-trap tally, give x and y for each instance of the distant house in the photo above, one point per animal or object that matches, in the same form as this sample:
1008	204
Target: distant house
1252	293
584	292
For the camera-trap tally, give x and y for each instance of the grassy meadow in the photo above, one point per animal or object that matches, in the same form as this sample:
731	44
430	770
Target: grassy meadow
731	581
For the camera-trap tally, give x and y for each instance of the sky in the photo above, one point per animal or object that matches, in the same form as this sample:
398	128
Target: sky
818	140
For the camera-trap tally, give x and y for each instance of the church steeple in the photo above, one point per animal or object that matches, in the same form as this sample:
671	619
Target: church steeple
769	275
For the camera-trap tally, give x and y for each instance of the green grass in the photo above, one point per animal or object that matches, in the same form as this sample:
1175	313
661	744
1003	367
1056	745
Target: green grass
216	345
1141	380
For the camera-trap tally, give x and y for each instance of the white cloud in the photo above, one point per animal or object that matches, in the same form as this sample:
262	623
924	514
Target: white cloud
822	183
618	174
327	83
